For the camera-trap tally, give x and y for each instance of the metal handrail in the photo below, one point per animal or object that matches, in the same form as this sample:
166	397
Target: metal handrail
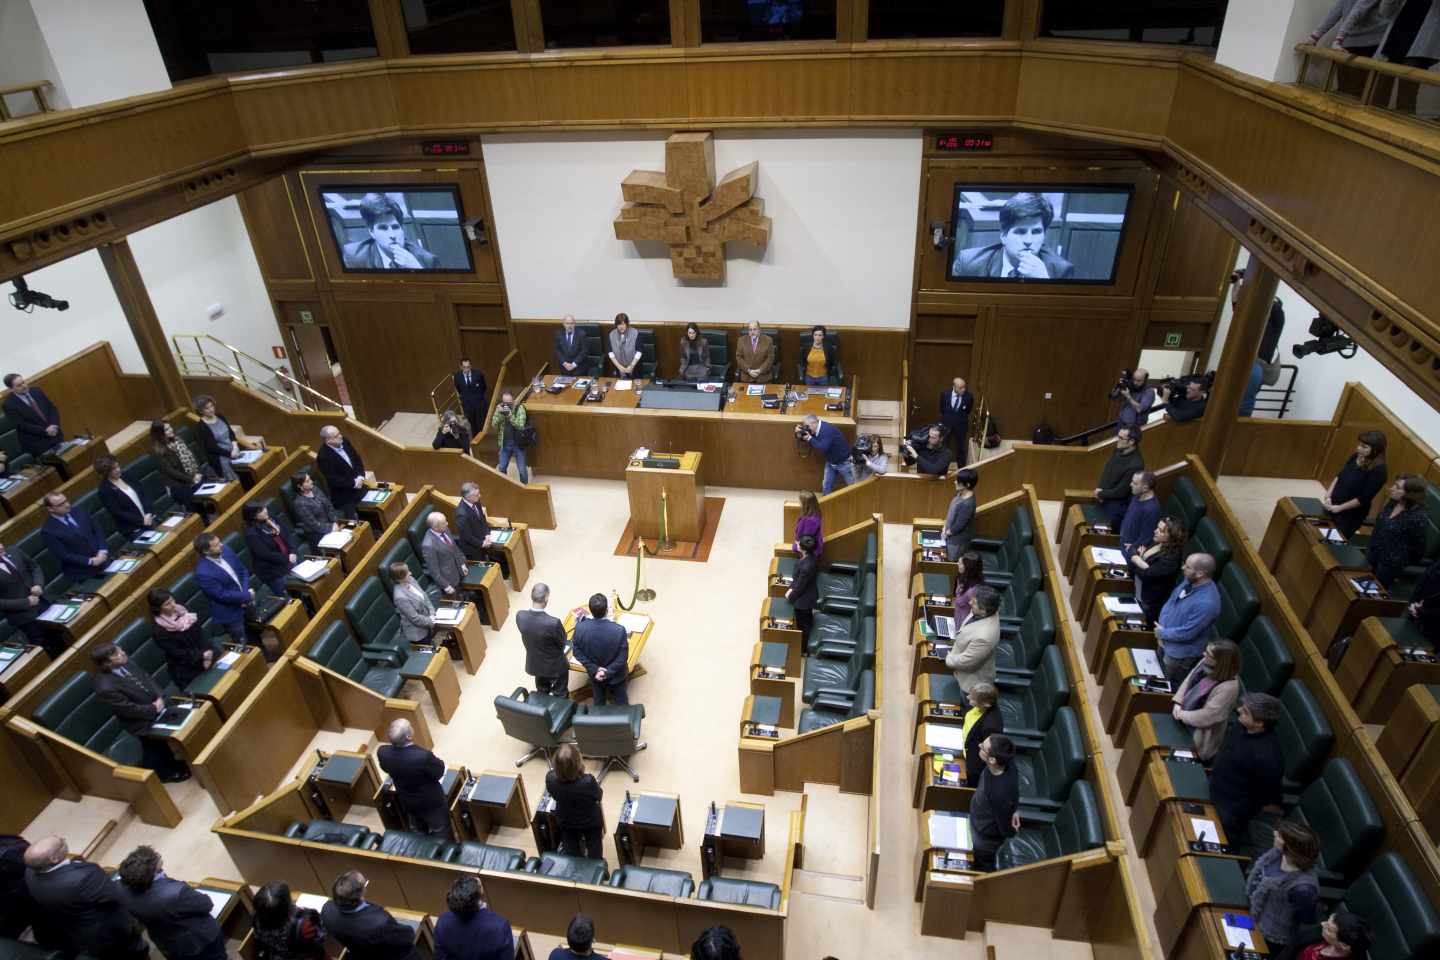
208	363
452	398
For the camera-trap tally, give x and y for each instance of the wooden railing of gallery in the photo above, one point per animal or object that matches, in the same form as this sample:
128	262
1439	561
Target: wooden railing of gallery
92	394
412	466
1339	73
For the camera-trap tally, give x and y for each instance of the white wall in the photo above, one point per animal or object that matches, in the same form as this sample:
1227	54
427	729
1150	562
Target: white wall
103	49
25	57
841	247
1259	36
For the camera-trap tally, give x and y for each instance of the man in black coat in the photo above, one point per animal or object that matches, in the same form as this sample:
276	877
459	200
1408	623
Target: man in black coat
175	914
16	907
343	470
416	773
79	907
1113	487
804	590
603	647
137	701
1248	772
35	417
470	388
365	930
472	529
955	406
22	599
569	349
544	639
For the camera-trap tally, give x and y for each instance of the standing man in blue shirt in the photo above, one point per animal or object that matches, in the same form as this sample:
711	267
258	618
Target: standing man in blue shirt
1136	398
833	445
1137	530
1187	621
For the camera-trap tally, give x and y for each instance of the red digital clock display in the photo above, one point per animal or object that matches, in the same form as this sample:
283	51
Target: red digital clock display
961	142
445	148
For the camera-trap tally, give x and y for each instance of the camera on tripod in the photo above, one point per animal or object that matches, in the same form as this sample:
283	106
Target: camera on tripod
1329	338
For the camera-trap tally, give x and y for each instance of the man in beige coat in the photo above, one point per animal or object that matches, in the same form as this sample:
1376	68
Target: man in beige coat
754	355
972	656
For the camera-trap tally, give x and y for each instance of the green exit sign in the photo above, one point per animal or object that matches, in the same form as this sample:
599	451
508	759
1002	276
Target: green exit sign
1172	339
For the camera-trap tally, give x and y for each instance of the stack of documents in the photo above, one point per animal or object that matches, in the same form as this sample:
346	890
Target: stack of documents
634	622
335	540
450	615
308	570
247	456
950	831
1108	556
1120	605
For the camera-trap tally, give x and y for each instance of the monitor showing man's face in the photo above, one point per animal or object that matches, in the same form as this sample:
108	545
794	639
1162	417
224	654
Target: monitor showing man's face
1025	236
388	232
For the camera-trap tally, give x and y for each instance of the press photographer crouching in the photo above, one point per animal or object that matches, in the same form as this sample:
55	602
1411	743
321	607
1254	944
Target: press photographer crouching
931	458
1136	397
1185	397
833	445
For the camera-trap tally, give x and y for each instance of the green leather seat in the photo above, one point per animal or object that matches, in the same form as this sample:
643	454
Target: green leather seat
1239	602
146	654
841	579
90	503
331	831
837	666
645	342
802	348
1076	826
1185	503
749	893
833	706
406	843
372	616
836	625
1338	808
719	342
1046	773
483	856
375	668
670	883
1304	733
188	594
417	529
1019	650
56	582
562	866
1001	558
402	552
145	471
16	456
1029	711
1405	632
1404	921
535	718
74	713
594	363
1015	598
862	591
1208	538
1265	659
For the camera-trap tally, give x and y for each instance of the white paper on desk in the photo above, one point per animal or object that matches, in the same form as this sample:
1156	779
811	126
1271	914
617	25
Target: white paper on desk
311	900
1108	556
174	520
218	899
944	736
754	390
950	831
624	384
60	612
308	570
449	614
121	565
1334	536
209	489
633	622
1236	937
1146	662
227	661
1118	604
334	540
247	456
1205	830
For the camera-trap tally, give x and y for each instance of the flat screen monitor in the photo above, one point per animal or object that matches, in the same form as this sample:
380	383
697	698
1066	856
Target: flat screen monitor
1016	233
380	229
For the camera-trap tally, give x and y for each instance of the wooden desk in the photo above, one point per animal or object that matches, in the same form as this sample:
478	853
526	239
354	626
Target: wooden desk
116	588
744	445
1108	633
930	709
1280	530
78	456
1175	836
776	630
1376	671
1122	698
491	799
927	655
932	858
1203	936
946	900
196	733
259	468
19	671
236	683
33	483
171	536
519	554
289	622
930	559
1076	534
236	913
633	667
467	638
1184	919
1164	778
781	683
683	490
648	820
482	582
214	504
737	830
362	538
393	816
1091	579
1138	746
383	512
932	791
439	680
314	593
1416	718
341	779
89	613
1340	607
1296	550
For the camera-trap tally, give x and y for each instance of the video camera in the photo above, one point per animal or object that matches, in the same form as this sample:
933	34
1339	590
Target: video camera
1122	385
1328	339
27	300
1176	385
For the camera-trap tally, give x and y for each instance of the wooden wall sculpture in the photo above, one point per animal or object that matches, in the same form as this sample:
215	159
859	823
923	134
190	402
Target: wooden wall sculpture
686	209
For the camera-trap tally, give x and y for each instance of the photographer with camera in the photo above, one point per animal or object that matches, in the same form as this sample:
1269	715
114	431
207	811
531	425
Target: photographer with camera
833	445
869	456
934	458
509	419
1185	397
452	434
1136	397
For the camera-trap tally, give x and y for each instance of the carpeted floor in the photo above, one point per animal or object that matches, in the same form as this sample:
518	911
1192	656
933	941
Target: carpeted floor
696	551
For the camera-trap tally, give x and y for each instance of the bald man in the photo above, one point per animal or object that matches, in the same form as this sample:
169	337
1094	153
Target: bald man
80	906
343	470
1187	621
416	773
569	349
444	560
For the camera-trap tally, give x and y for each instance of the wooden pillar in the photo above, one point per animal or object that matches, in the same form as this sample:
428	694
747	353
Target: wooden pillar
1242	345
144	324
392	41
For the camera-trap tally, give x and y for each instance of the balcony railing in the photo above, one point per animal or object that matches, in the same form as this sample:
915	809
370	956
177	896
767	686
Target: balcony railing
1386	86
37	91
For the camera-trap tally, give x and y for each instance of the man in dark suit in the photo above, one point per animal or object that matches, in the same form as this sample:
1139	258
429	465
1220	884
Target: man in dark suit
416	773
470	388
544	639
1021	253
365	930
79	907
73	536
175	914
137	701
955	405
225	581
603	648
34	416
804	592
343	470
387	247
569	349
16	907
472	529
443	560
22	599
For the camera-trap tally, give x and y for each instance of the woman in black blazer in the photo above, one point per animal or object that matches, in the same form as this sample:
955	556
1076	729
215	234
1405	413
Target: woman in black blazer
217	438
1398	539
177	632
178	465
123	499
984	697
577	804
804	592
272	547
1157	566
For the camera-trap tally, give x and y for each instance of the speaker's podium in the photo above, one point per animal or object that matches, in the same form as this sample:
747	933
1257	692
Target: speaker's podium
675	478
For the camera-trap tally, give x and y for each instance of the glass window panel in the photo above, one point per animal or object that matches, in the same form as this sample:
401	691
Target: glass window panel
1184	22
755	21
198	39
912	19
605	23
458	26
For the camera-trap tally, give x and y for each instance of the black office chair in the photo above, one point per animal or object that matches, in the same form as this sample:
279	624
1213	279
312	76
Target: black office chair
719	354
645	342
594	362
536	718
836	373
610	732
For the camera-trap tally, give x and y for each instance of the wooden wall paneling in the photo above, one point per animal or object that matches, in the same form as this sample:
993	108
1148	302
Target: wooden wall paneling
441	95
391	38
811	86
327	105
943	348
86	387
1358	411
1115	98
486	341
960	85
393	351
1199	254
272	218
25	795
1263	447
852	20
611	89
134	300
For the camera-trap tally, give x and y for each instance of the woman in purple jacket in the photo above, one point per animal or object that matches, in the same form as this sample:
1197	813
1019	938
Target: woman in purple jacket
809	522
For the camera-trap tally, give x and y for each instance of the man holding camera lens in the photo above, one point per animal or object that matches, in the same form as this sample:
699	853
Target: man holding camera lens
934	458
1185	399
1136	397
509	420
832	443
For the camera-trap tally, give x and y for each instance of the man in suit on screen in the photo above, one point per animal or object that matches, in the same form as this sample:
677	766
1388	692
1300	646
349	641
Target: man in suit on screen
386	248
1021	253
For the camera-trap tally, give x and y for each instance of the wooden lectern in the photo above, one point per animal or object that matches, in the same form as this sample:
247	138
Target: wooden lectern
684	490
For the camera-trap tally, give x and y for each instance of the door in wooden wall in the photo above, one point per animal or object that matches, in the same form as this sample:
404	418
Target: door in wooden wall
395	353
311	359
943	349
